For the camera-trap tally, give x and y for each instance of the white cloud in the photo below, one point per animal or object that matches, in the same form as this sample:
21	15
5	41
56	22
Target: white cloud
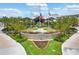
56	8
68	7
71	7
9	12
35	13
36	4
42	6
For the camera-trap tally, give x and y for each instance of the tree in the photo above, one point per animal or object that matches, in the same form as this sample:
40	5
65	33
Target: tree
65	22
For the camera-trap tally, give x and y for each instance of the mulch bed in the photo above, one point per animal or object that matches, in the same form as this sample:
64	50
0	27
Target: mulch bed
41	44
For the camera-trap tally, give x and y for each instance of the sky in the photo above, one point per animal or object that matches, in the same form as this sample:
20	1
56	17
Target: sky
32	10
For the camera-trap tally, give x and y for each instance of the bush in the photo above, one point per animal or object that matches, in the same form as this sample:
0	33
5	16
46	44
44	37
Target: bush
62	37
19	38
71	31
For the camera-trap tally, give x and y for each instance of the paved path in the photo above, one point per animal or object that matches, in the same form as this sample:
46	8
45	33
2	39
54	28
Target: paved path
8	46
71	46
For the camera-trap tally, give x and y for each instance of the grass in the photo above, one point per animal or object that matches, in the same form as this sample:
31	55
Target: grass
50	29
29	29
53	48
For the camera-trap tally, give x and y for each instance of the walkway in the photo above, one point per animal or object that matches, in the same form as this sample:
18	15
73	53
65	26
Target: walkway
71	45
8	46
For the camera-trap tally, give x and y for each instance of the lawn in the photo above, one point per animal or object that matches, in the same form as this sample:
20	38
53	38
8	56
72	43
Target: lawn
53	48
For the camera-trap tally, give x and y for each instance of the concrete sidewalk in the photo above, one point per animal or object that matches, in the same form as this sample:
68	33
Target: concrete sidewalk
71	46
8	46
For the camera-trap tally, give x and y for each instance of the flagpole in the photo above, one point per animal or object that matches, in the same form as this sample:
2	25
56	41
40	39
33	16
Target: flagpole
48	18
31	19
40	15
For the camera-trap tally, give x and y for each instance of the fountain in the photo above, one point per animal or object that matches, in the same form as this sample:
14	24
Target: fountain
40	30
40	36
